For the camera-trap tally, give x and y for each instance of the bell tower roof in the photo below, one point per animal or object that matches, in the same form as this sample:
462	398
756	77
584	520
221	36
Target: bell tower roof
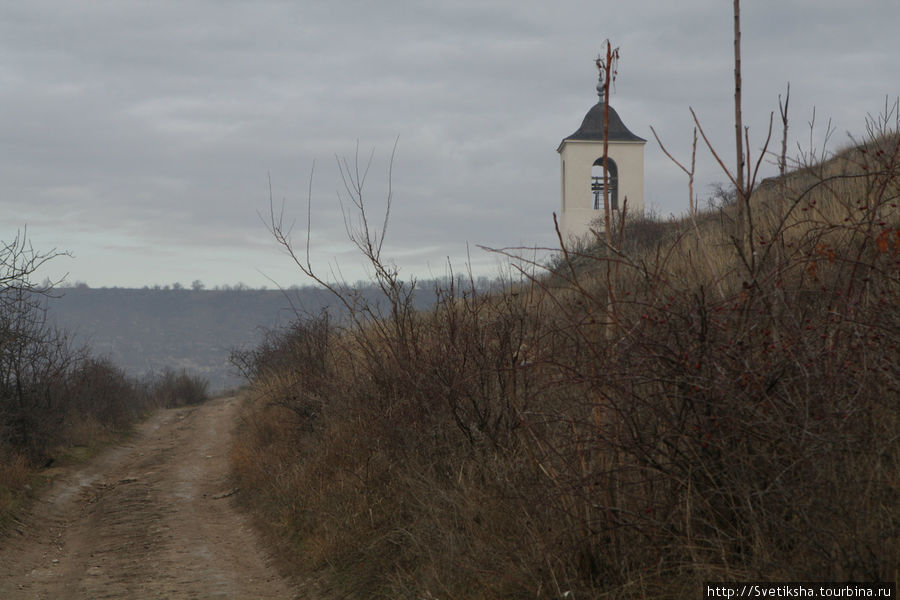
592	127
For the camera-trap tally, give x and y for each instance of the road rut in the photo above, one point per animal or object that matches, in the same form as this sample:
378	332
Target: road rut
151	518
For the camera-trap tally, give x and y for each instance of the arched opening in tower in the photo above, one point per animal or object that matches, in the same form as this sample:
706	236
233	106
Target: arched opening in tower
597	183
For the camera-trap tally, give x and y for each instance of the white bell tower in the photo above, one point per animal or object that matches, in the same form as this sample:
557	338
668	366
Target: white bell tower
581	166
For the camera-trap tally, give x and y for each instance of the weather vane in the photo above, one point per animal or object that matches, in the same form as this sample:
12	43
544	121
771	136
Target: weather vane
607	68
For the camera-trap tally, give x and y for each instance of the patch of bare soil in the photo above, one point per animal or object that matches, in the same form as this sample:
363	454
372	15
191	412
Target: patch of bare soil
153	518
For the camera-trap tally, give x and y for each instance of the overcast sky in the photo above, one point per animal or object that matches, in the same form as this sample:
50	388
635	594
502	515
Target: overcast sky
139	135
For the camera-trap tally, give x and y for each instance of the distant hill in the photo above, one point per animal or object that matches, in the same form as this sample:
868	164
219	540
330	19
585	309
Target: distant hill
148	330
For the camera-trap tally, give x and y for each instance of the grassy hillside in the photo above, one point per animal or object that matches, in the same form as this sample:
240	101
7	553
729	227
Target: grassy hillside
623	423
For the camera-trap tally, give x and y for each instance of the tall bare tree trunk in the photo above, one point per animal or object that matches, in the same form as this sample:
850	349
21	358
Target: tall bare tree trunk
606	81
607	76
738	129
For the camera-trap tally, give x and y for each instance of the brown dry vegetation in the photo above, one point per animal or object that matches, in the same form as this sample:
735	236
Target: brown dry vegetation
623	424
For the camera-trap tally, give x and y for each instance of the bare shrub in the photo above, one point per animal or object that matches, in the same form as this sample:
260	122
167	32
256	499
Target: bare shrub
34	361
98	390
178	388
739	424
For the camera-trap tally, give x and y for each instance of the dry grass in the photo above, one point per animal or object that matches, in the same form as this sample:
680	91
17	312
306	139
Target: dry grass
729	415
15	474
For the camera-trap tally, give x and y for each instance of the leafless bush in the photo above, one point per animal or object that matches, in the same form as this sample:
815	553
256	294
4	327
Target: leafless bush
96	389
34	356
739	423
178	388
293	365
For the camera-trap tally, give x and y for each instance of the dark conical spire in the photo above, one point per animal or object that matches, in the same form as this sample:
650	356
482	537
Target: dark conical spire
592	127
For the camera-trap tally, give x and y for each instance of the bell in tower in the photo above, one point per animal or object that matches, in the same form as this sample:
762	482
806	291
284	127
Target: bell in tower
581	165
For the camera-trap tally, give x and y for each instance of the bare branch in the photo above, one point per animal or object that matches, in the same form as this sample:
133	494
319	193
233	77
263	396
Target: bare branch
713	150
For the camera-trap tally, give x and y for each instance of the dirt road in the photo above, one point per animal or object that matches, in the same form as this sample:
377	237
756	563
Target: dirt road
152	518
